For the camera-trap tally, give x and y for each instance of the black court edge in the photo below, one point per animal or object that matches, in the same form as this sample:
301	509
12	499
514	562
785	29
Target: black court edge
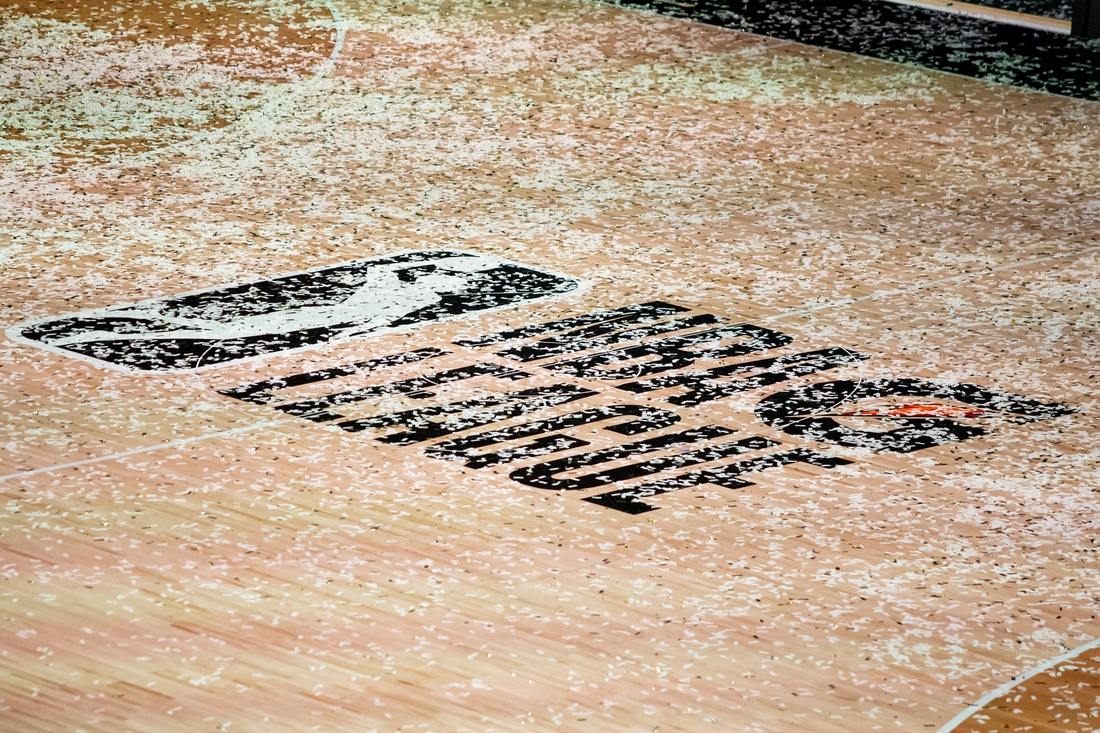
995	52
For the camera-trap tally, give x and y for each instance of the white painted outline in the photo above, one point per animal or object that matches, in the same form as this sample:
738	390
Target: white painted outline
15	332
1007	687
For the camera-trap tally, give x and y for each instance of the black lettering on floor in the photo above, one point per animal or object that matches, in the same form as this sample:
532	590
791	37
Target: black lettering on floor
420	425
675	352
729	476
805	412
710	384
600	336
457	449
644	349
641	313
543	475
263	393
418	387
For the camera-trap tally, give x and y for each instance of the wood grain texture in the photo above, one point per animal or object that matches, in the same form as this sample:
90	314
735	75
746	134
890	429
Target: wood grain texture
255	571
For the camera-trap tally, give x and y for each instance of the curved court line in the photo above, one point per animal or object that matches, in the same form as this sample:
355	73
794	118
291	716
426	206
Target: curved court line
326	66
338	45
1007	687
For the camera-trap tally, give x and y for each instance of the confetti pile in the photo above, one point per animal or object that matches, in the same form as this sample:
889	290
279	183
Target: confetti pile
175	558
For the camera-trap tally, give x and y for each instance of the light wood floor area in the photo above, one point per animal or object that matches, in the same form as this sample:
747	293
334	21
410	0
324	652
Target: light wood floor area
176	558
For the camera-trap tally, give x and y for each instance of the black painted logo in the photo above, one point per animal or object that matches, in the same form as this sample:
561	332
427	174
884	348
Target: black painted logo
244	320
638	372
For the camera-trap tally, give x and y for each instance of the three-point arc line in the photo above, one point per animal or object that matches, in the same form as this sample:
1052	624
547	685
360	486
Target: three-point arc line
1007	687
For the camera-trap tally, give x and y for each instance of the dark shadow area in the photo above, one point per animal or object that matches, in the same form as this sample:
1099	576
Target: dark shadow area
1038	60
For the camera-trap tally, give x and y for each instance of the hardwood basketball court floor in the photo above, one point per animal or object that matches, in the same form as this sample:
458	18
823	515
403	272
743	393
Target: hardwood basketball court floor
535	366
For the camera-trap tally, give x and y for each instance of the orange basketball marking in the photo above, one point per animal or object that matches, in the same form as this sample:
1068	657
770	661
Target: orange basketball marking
921	411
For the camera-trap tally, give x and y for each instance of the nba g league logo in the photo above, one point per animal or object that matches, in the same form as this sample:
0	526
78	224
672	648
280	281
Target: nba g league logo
641	362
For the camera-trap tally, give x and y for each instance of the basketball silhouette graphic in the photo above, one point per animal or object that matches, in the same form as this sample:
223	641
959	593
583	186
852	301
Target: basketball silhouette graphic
246	320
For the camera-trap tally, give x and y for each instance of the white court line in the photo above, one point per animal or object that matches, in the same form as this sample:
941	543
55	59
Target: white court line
136	451
1006	687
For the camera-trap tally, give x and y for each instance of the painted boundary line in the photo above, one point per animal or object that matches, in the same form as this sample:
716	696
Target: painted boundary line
137	451
1007	687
